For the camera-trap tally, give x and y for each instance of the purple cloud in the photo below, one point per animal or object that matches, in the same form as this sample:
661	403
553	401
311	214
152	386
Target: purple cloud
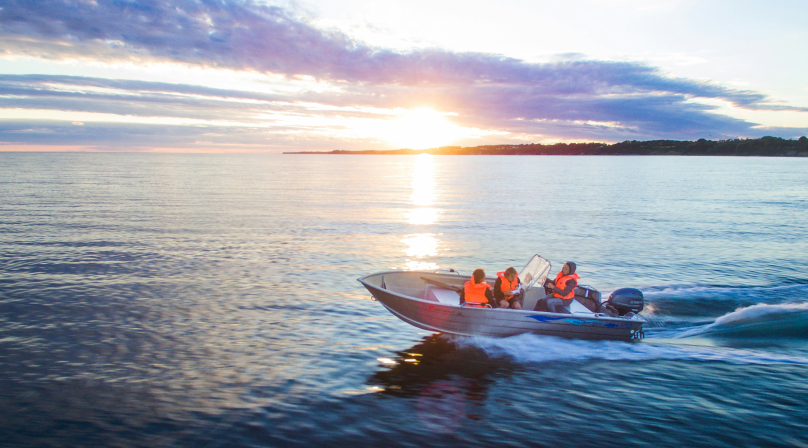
570	99
653	117
247	35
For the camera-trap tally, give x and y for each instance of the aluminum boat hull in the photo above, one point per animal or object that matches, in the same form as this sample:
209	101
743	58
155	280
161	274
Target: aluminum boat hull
399	292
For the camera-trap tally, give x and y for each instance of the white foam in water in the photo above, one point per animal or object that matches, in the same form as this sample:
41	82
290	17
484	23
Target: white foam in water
700	291
530	348
761	311
762	320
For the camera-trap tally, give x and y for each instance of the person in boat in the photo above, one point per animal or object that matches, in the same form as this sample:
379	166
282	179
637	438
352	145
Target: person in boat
476	292
563	290
507	282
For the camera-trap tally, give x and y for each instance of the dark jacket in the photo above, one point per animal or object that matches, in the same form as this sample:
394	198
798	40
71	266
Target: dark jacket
498	294
571	284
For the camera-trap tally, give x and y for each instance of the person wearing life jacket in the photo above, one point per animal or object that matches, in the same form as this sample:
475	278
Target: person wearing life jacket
562	290
476	292
507	282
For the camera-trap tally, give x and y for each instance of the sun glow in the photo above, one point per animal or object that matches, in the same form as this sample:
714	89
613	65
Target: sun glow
420	129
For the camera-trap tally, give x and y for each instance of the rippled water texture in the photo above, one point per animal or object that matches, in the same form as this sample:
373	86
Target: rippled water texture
211	300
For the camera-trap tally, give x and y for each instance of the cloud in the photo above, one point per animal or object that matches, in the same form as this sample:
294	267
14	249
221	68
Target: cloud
570	98
142	137
244	35
135	114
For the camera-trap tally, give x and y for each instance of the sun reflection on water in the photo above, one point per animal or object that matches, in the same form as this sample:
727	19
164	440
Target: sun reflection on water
422	216
413	265
423	192
423	182
422	245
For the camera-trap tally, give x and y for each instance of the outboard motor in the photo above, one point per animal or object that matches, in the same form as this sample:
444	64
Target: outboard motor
625	301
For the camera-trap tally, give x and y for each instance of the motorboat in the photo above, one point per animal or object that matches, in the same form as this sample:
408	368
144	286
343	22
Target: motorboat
431	300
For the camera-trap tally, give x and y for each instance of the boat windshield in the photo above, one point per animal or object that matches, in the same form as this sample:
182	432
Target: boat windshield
534	272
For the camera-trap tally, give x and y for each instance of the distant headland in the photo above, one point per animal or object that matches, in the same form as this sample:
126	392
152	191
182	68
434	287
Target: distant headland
761	147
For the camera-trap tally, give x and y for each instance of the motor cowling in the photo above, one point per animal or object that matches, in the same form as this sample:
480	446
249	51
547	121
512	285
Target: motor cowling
626	300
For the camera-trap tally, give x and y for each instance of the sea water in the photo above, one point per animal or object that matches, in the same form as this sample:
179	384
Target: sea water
211	300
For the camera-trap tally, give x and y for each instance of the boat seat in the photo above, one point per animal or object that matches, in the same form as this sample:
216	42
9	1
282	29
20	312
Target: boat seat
588	297
532	296
440	295
578	307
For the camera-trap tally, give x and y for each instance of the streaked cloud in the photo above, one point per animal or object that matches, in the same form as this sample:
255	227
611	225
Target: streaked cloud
492	98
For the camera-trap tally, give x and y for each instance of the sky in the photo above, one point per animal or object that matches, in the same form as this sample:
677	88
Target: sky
273	76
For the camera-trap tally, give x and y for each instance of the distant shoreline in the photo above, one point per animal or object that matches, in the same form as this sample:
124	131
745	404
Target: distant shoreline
761	147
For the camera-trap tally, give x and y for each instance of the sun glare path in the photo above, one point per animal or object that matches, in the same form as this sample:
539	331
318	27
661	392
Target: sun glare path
423	192
419	246
422	245
423	186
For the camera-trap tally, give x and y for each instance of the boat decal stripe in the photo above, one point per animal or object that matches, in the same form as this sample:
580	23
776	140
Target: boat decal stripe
574	321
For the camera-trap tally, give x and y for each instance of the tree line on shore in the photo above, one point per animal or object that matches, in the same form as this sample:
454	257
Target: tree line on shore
761	147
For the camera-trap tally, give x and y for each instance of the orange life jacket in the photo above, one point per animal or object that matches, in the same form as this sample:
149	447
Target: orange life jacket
475	292
507	286
561	283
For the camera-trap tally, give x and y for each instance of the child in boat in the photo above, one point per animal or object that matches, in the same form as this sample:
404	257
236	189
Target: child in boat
476	292
507	282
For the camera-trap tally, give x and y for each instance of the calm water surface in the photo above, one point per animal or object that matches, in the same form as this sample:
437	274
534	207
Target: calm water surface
211	300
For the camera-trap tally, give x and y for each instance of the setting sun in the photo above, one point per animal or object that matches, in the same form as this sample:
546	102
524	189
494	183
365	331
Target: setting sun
420	129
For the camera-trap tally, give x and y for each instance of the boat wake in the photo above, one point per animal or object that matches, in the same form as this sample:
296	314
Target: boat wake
711	301
789	320
529	348
678	312
686	323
